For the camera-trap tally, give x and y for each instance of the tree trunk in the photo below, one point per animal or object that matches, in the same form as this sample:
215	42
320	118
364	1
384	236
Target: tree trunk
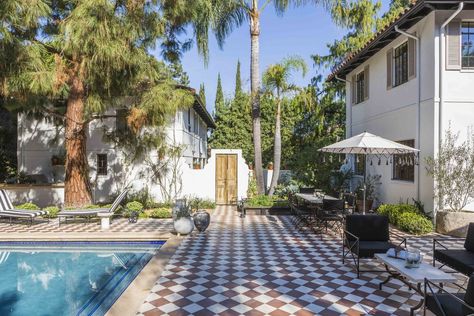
77	188
276	150
255	95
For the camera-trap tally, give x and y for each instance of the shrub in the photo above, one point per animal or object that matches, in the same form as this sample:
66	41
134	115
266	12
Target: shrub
135	206
198	203
28	206
407	218
161	212
53	211
415	223
261	201
143	196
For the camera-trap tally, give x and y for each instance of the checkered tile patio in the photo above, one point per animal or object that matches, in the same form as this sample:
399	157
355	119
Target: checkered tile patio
118	225
263	266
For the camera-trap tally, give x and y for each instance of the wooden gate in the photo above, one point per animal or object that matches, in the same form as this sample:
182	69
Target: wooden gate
226	179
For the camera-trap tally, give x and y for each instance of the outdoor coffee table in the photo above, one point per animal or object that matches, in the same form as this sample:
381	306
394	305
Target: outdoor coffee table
414	277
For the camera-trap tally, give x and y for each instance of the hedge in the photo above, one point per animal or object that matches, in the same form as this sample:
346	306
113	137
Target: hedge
53	211
161	212
407	218
27	206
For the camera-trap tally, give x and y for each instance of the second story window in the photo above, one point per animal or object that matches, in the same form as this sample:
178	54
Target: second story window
101	164
360	86
121	125
400	64
467	44
189	120
196	123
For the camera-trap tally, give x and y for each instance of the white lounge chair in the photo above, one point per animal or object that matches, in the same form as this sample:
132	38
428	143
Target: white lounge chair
8	210
88	213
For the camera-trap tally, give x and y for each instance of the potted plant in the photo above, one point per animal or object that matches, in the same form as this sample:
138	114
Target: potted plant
370	185
182	221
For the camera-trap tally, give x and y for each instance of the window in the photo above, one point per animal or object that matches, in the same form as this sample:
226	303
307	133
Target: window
121	125
467	49
102	164
403	165
359	165
400	64
196	123
360	87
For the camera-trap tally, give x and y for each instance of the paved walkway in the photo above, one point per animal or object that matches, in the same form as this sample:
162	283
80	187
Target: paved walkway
143	229
263	266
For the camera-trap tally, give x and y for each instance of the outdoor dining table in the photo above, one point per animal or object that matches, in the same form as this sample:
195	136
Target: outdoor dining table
313	199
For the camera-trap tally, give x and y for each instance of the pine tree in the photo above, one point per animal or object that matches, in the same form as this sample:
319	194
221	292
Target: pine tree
219	103
74	59
202	93
238	81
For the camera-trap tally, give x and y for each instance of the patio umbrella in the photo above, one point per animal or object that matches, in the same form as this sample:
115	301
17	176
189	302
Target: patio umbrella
368	144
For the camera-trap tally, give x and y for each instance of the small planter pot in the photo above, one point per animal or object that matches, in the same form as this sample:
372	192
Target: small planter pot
360	205
183	225
453	223
202	219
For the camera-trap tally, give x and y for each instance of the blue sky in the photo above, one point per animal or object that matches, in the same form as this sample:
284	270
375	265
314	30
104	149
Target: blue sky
302	31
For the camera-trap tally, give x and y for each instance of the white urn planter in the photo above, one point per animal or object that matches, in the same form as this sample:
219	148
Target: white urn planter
184	225
453	223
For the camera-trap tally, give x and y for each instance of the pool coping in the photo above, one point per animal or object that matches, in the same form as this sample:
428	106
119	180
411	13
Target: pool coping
90	236
137	291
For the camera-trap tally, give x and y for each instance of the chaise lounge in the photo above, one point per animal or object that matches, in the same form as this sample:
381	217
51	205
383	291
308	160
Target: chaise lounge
460	260
89	213
9	211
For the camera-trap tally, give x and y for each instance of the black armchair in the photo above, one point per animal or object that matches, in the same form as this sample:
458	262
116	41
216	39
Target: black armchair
331	214
366	235
461	260
442	303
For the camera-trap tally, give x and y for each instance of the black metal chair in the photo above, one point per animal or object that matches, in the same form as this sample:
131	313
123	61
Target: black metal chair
307	190
366	235
442	303
331	214
461	260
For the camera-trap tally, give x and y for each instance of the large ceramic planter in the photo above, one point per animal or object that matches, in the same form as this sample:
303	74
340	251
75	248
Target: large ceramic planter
183	225
453	223
202	219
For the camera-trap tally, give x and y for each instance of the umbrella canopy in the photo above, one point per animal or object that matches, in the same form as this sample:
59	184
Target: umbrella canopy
368	144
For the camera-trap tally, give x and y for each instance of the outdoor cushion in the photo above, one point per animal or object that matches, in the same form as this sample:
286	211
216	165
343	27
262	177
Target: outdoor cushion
459	259
469	242
368	227
367	249
449	304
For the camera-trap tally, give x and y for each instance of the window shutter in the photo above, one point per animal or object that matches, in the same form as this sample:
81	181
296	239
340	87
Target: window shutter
353	89
453	45
389	68
366	83
412	58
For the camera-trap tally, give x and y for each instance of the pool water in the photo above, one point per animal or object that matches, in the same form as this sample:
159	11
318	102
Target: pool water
68	278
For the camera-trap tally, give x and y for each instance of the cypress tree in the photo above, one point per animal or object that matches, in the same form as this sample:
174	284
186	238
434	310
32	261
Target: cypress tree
238	80
219	102
202	93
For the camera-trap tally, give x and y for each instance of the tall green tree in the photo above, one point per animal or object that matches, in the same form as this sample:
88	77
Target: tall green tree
223	17
86	56
238	81
202	93
276	83
219	103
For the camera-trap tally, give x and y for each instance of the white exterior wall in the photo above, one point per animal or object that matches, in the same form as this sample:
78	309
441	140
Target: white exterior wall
392	113
36	147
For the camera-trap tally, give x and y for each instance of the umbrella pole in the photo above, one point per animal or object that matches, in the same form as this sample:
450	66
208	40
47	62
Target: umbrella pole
365	187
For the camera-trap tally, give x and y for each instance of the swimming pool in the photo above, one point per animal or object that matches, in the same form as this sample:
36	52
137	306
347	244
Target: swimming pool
68	278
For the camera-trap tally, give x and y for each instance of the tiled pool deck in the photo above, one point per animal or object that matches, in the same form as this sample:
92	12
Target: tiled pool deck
149	229
263	266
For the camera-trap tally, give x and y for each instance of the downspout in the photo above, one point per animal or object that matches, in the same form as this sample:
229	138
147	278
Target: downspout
418	114
442	61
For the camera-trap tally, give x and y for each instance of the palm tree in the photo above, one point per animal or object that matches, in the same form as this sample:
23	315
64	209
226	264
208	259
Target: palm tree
276	82
223	16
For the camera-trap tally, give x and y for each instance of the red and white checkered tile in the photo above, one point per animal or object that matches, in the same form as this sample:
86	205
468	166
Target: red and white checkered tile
263	266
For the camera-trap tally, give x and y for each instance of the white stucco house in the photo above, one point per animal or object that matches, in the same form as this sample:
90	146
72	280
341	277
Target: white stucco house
410	83
193	173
